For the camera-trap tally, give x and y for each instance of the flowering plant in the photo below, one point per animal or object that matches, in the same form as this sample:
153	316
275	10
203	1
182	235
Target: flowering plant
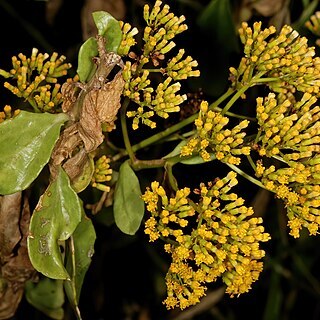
59	145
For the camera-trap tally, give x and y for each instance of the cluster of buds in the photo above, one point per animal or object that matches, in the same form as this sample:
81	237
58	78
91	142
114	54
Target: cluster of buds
313	24
36	79
127	40
211	137
162	27
285	60
157	99
289	126
102	173
8	113
298	186
224	243
289	131
181	69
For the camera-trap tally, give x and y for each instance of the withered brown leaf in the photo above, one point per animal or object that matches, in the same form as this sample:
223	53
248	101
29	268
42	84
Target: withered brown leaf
10	208
100	106
15	266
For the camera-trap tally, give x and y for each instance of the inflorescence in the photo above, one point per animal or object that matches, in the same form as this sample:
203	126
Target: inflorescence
285	60
287	119
290	131
224	242
102	174
163	98
36	79
212	138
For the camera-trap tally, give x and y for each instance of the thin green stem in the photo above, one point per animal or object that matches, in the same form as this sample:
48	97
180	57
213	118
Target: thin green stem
247	176
160	135
235	115
74	291
124	128
172	180
153	70
237	95
263	80
130	150
251	162
225	96
148	164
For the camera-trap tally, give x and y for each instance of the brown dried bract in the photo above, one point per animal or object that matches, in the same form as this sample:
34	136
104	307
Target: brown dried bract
15	266
100	106
89	106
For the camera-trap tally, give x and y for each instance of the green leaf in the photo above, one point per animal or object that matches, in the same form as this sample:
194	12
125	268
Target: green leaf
55	218
80	183
108	27
192	160
196	160
47	296
177	150
86	66
81	249
217	25
128	206
26	143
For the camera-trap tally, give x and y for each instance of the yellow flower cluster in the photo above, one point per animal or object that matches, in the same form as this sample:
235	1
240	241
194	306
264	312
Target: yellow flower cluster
179	69
169	220
161	99
285	60
224	242
34	77
8	113
288	125
290	132
211	137
102	173
162	27
127	40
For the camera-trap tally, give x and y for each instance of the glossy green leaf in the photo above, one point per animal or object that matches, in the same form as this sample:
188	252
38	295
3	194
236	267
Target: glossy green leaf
79	253
86	66
109	27
47	296
26	143
196	160
54	220
128	206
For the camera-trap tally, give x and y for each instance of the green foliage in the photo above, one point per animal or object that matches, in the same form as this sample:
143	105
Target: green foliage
79	253
109	28
54	220
47	296
26	143
128	207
